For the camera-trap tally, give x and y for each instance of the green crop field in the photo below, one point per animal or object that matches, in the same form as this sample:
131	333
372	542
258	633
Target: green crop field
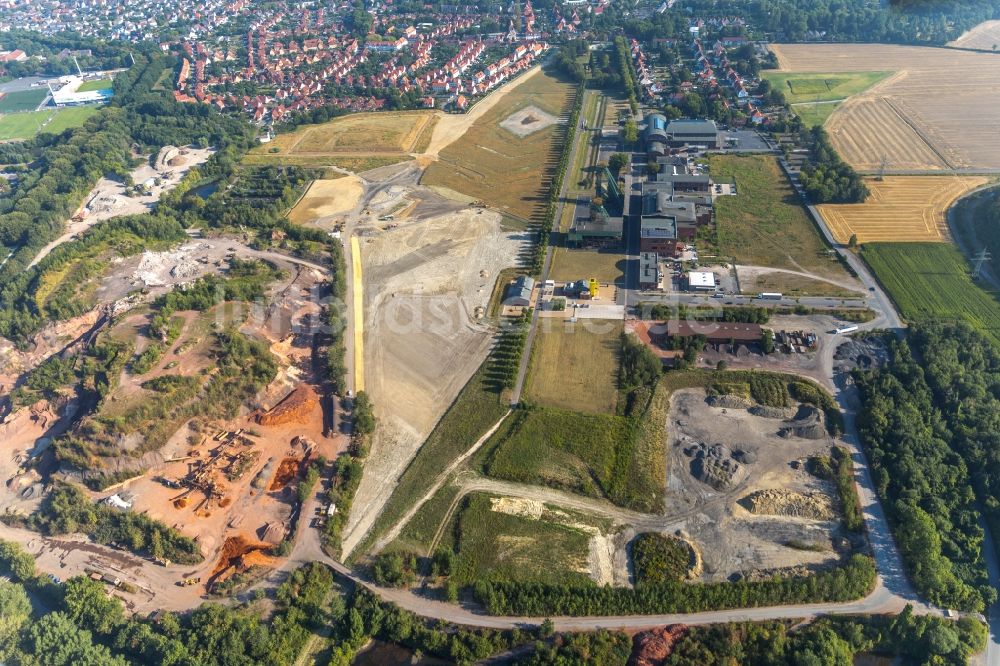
99	84
22	100
801	87
814	114
931	281
26	125
765	224
498	546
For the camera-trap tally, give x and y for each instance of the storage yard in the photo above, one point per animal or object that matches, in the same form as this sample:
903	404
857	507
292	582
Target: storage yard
918	119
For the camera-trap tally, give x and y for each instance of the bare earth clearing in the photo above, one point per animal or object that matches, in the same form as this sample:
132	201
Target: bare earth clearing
936	112
108	198
428	276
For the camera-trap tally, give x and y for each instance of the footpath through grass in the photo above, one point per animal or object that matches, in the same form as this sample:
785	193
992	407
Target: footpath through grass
931	281
474	411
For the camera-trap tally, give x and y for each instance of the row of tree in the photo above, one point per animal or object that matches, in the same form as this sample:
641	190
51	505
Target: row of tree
827	178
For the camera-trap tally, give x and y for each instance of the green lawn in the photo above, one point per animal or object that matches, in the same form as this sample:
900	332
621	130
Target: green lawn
607	266
765	224
23	100
99	84
498	546
584	453
800	87
814	114
931	281
26	125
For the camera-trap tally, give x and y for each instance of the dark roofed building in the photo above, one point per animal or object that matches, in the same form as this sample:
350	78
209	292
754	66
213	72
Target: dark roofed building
649	270
716	332
519	293
656	135
597	232
658	234
682	133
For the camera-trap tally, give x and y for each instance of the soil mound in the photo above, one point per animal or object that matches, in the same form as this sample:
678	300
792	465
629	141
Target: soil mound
728	401
294	408
772	412
808	424
715	465
239	554
777	502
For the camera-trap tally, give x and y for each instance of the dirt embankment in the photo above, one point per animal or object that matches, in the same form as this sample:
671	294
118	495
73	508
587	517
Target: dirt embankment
651	648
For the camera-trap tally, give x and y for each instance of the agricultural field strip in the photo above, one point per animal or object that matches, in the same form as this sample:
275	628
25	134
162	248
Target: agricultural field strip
900	208
940	92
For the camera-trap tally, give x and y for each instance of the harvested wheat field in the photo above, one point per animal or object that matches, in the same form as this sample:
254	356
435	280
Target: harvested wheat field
325	198
985	36
900	208
936	112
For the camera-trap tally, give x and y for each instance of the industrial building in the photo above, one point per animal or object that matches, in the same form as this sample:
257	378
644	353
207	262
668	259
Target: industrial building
519	292
658	234
68	94
716	332
649	270
701	281
685	133
655	135
660	202
596	232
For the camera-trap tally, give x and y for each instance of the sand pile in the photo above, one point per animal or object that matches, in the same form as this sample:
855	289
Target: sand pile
777	502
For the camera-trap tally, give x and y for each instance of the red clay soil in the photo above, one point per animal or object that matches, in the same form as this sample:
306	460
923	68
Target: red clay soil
239	554
294	408
647	332
651	648
287	471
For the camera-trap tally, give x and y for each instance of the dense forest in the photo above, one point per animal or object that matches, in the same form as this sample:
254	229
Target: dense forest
77	622
826	20
931	424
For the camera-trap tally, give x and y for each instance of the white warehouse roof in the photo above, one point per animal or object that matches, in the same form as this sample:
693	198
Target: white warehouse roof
701	279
